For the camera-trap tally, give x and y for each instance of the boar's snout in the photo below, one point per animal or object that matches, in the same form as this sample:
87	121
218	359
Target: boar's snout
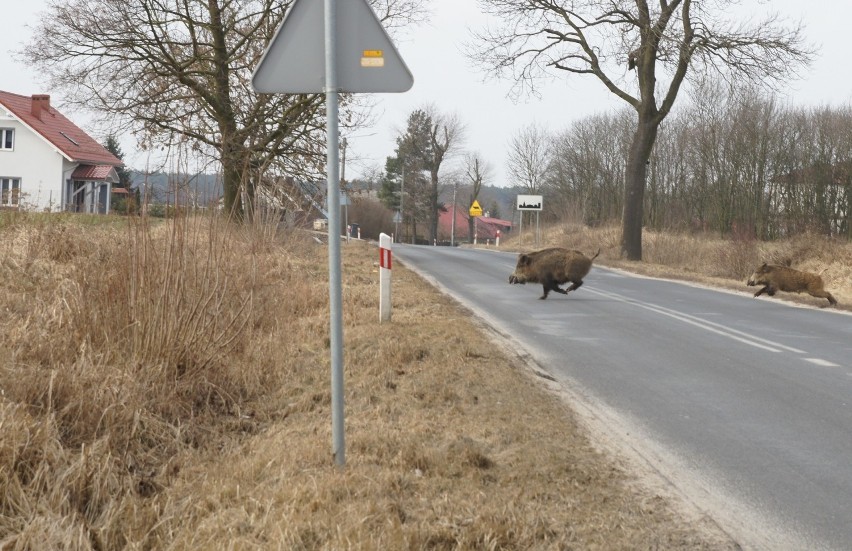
758	277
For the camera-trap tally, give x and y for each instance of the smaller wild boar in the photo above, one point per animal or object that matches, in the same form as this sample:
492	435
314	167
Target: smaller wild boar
552	268
782	278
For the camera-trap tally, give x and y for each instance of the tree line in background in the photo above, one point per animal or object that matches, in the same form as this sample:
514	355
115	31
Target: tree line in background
737	163
179	75
734	162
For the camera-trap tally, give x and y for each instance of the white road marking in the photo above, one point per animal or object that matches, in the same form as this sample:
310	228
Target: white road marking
821	362
710	326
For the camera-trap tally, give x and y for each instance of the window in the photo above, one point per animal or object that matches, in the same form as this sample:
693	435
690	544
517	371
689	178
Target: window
10	192
7	138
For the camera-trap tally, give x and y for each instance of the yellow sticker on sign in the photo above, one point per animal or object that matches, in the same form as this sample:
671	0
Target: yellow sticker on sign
373	58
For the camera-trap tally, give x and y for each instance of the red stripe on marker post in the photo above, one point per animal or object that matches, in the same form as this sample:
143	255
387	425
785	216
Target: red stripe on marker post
384	258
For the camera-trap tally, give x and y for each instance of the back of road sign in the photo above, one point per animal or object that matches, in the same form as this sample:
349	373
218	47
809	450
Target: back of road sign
367	61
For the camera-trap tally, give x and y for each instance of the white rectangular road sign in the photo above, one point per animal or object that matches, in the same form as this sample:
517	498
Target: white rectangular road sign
529	202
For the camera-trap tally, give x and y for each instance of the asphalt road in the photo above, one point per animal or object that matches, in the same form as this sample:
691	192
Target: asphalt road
745	403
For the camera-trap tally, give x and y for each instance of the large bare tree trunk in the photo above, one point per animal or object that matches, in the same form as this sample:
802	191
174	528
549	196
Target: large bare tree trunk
634	187
232	179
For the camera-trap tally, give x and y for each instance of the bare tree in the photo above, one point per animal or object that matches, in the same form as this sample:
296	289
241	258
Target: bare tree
586	168
529	156
429	139
529	159
179	72
445	136
476	173
661	40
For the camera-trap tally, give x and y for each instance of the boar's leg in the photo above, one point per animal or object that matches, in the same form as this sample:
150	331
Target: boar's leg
768	289
551	285
825	294
574	286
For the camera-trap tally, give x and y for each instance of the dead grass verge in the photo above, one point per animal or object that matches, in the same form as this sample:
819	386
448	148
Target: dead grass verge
168	388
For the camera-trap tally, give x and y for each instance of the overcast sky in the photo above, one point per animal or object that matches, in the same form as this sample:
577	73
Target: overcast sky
444	78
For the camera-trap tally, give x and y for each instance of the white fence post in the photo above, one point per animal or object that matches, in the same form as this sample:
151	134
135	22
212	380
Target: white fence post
384	277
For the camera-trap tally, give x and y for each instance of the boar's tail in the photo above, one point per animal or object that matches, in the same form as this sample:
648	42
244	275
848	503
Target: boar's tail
596	254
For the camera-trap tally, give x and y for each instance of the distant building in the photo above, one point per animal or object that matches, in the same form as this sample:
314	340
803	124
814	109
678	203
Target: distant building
49	163
485	227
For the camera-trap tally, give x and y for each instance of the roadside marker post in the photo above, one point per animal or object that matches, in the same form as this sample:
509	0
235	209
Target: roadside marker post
385	256
311	54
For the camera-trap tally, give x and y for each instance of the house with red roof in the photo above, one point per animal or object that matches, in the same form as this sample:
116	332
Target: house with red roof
47	162
485	228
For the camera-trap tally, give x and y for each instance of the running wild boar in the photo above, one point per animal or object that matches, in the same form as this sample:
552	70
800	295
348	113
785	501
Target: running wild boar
782	278
552	268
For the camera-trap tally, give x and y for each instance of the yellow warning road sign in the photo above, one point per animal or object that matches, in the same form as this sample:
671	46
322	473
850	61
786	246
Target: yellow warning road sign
475	209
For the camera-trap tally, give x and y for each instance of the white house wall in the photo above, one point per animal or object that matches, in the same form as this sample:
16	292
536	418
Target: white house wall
36	163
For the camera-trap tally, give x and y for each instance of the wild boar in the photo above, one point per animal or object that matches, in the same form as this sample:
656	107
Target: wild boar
782	278
552	268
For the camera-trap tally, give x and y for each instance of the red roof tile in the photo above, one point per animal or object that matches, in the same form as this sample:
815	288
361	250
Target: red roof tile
55	128
91	172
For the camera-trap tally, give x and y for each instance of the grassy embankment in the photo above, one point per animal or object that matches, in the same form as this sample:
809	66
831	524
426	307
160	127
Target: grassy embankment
167	388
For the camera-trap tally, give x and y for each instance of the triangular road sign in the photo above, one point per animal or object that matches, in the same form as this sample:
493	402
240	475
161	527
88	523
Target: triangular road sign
367	61
475	209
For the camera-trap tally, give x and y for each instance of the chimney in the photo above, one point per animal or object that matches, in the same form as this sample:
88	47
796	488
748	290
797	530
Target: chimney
41	102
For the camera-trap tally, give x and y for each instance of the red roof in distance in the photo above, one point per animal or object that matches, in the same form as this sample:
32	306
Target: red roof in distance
35	111
486	227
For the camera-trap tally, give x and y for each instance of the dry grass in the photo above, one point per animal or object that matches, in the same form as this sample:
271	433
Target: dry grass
168	388
710	260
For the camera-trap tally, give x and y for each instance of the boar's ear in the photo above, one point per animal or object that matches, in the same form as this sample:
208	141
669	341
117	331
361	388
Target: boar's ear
523	260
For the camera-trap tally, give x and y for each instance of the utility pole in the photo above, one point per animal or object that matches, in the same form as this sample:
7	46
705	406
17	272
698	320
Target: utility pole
453	222
343	187
402	197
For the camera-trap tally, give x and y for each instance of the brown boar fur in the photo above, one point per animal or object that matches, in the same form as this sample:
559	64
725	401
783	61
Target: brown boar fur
552	268
783	278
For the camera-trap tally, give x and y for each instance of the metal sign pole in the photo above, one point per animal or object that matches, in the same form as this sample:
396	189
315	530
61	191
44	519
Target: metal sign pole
334	272
302	60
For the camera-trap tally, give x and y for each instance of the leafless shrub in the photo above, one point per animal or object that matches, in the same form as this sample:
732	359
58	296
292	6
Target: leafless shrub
127	348
736	257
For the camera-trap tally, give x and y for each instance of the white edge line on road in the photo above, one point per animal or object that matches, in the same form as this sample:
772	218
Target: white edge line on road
703	324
